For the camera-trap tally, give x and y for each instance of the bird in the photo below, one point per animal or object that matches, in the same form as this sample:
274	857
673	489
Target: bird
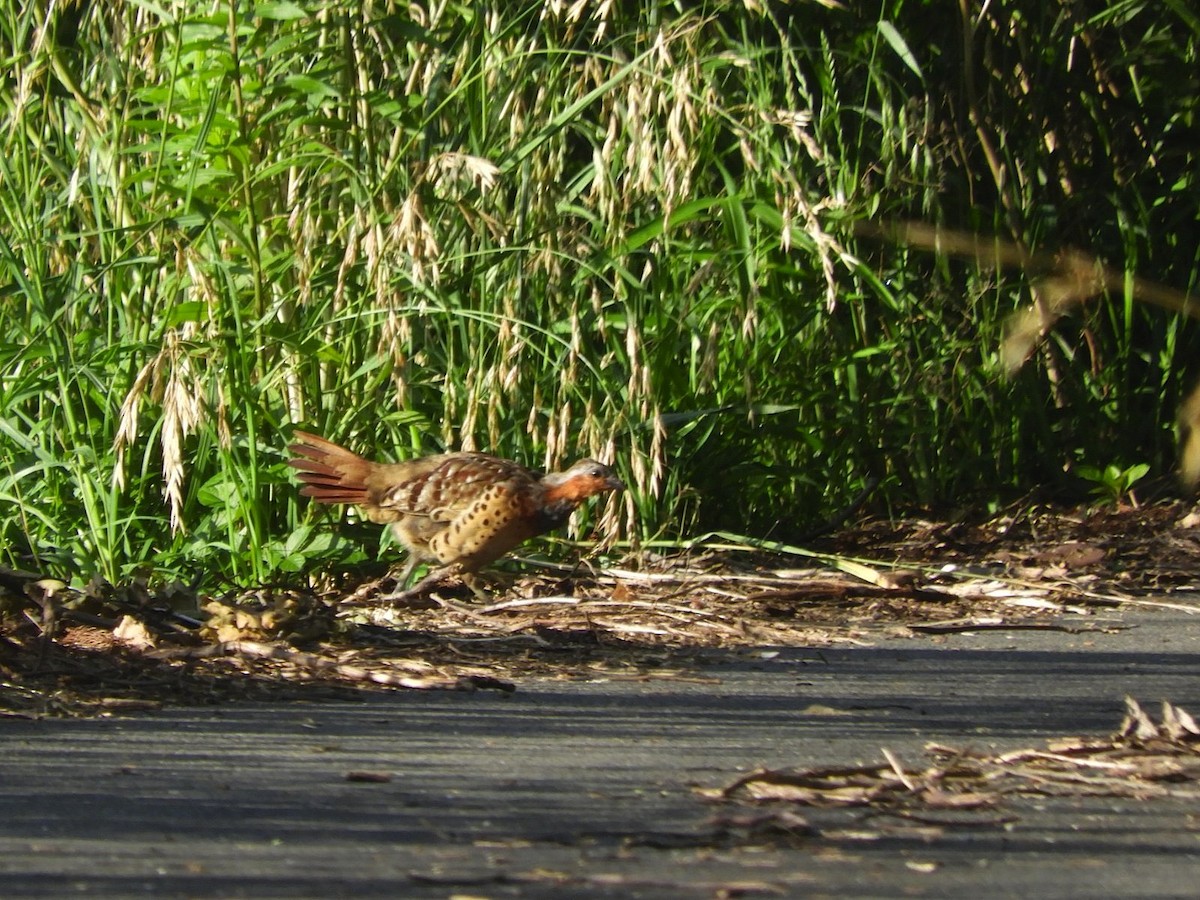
463	510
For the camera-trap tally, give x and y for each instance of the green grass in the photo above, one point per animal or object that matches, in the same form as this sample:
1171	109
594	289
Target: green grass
509	229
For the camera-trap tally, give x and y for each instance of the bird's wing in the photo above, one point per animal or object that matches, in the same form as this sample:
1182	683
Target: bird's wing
442	487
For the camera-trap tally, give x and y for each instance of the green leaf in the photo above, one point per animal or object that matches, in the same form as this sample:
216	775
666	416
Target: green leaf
311	87
893	37
280	11
187	311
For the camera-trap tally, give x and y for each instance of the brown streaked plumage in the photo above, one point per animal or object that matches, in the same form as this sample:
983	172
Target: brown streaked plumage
463	510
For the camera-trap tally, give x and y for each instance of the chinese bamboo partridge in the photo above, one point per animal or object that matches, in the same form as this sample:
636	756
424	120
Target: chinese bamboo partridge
463	510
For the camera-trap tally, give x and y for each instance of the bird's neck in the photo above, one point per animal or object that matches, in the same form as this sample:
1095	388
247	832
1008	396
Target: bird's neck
571	491
555	512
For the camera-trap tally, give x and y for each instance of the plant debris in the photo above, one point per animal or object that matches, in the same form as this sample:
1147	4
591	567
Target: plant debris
102	648
960	787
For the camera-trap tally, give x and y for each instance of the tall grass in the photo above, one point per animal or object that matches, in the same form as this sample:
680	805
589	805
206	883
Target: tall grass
551	230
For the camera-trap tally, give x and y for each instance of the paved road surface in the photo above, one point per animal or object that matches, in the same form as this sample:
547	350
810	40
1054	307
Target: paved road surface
570	789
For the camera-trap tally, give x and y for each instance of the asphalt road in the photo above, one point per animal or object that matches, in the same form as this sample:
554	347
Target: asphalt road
570	789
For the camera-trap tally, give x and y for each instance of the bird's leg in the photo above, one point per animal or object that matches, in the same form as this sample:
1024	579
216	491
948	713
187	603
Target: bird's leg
433	578
410	566
421	586
370	590
471	580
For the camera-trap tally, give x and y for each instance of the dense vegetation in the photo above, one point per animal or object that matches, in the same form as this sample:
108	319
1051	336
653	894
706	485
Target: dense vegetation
550	229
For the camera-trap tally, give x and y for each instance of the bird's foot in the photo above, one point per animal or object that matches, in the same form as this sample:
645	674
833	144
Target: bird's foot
432	580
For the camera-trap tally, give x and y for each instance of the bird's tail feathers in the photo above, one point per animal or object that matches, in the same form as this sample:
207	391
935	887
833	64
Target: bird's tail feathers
331	474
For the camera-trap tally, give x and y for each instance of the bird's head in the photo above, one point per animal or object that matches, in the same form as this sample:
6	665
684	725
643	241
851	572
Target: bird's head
584	479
